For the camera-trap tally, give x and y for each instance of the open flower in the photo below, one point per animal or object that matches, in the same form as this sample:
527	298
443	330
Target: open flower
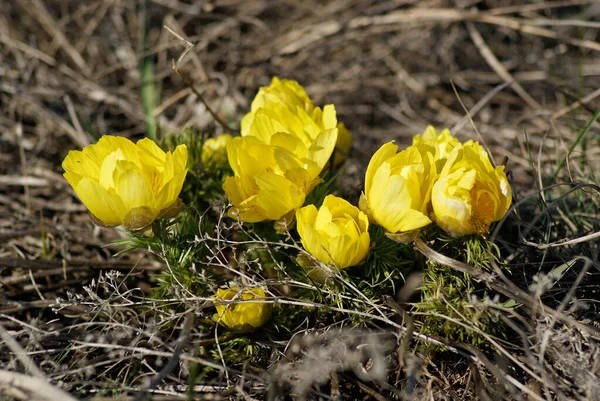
470	193
441	142
336	234
398	187
281	92
284	108
122	183
292	111
285	144
269	181
214	150
287	103
244	316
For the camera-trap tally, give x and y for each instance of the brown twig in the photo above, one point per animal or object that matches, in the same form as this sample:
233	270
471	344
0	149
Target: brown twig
189	47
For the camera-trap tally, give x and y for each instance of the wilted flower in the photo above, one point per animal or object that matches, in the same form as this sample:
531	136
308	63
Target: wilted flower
470	193
243	316
122	183
337	233
398	186
286	142
214	150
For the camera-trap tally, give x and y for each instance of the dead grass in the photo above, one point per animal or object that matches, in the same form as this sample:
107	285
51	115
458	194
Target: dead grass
71	71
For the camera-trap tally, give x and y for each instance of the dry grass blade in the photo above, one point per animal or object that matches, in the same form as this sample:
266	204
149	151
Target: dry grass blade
493	62
36	388
525	8
20	353
39	11
453	263
182	342
25	48
416	15
24	181
522	26
581	102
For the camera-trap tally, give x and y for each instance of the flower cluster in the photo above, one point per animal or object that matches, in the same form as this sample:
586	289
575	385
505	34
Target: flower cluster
435	179
285	144
285	147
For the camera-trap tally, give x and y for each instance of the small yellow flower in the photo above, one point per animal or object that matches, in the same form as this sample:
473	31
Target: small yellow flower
398	187
470	193
336	234
214	150
244	316
122	183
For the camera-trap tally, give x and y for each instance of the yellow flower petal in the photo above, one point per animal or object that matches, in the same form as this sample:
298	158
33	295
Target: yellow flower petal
470	193
106	206
151	154
131	186
169	193
343	145
242	316
336	234
321	149
107	170
277	195
78	164
384	153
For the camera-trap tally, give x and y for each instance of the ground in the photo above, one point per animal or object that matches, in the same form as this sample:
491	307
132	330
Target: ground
520	77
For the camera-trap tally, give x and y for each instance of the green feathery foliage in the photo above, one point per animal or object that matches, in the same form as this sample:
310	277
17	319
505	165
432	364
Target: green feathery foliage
450	305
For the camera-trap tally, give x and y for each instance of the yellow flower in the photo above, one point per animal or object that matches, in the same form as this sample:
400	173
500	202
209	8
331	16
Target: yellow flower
398	187
285	144
287	93
269	181
335	234
284	108
122	183
244	316
214	150
470	193
442	142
